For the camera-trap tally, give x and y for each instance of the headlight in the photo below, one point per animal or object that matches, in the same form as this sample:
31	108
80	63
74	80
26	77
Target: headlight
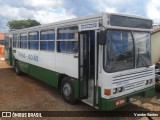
114	90
150	81
147	81
120	89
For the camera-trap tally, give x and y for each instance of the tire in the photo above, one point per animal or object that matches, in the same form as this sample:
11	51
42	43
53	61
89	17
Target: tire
67	91
16	68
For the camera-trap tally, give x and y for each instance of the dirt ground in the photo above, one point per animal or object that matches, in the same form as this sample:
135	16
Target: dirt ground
25	93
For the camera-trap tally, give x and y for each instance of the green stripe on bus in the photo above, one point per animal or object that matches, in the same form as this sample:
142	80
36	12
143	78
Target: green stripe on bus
23	66
45	75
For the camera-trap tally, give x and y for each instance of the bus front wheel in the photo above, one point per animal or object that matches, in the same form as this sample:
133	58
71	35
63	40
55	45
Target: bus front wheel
67	90
16	68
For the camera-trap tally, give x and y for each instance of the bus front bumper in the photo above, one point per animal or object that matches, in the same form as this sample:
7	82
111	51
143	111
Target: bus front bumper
106	105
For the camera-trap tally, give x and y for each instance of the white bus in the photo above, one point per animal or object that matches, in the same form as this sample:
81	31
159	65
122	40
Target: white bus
102	60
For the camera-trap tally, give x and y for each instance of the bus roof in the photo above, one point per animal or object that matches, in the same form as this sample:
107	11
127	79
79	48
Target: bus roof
90	18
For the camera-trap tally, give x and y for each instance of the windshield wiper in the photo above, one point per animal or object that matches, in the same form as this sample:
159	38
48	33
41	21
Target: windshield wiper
143	61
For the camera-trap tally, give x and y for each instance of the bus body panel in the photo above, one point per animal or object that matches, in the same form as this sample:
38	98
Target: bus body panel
67	64
52	61
132	80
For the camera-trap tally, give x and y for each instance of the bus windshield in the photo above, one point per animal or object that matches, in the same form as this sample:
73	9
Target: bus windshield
126	50
142	48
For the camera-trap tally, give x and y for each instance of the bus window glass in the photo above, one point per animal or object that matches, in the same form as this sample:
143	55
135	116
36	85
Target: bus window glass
51	45
116	20
67	43
33	40
47	42
23	40
6	43
143	52
119	51
15	38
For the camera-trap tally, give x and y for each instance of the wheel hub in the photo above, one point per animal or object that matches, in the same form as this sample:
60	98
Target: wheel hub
67	89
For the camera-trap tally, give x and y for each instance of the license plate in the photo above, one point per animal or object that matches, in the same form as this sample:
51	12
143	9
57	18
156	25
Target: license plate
120	101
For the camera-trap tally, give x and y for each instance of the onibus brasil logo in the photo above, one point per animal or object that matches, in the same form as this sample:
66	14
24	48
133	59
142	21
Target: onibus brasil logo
21	114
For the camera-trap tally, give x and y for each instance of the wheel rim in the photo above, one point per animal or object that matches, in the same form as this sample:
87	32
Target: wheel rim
67	89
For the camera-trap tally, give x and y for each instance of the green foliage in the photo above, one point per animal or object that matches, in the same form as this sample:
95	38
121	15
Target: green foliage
19	24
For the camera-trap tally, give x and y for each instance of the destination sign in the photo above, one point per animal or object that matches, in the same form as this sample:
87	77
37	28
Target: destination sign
89	26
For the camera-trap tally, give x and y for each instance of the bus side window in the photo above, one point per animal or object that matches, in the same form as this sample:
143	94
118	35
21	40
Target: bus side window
67	42
23	40
47	42
33	41
15	39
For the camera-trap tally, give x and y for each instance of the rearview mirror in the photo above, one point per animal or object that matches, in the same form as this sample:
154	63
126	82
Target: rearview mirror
102	38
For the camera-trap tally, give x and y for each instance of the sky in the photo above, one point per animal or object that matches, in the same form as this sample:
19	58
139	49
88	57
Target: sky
48	11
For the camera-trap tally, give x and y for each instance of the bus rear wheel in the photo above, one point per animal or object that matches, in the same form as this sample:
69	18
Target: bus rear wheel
16	68
67	90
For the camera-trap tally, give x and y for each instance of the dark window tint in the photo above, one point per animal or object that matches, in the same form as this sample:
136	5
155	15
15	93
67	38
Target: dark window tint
15	38
6	42
116	20
67	33
34	45
44	45
23	40
34	36
67	42
118	51
68	46
47	40
33	41
143	50
51	45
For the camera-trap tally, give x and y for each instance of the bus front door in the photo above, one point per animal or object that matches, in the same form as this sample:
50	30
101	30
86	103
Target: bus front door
83	64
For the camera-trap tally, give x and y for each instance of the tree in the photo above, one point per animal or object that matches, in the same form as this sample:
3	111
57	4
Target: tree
19	24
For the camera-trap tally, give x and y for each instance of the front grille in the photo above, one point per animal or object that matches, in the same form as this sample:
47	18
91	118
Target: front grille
131	79
132	76
134	85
